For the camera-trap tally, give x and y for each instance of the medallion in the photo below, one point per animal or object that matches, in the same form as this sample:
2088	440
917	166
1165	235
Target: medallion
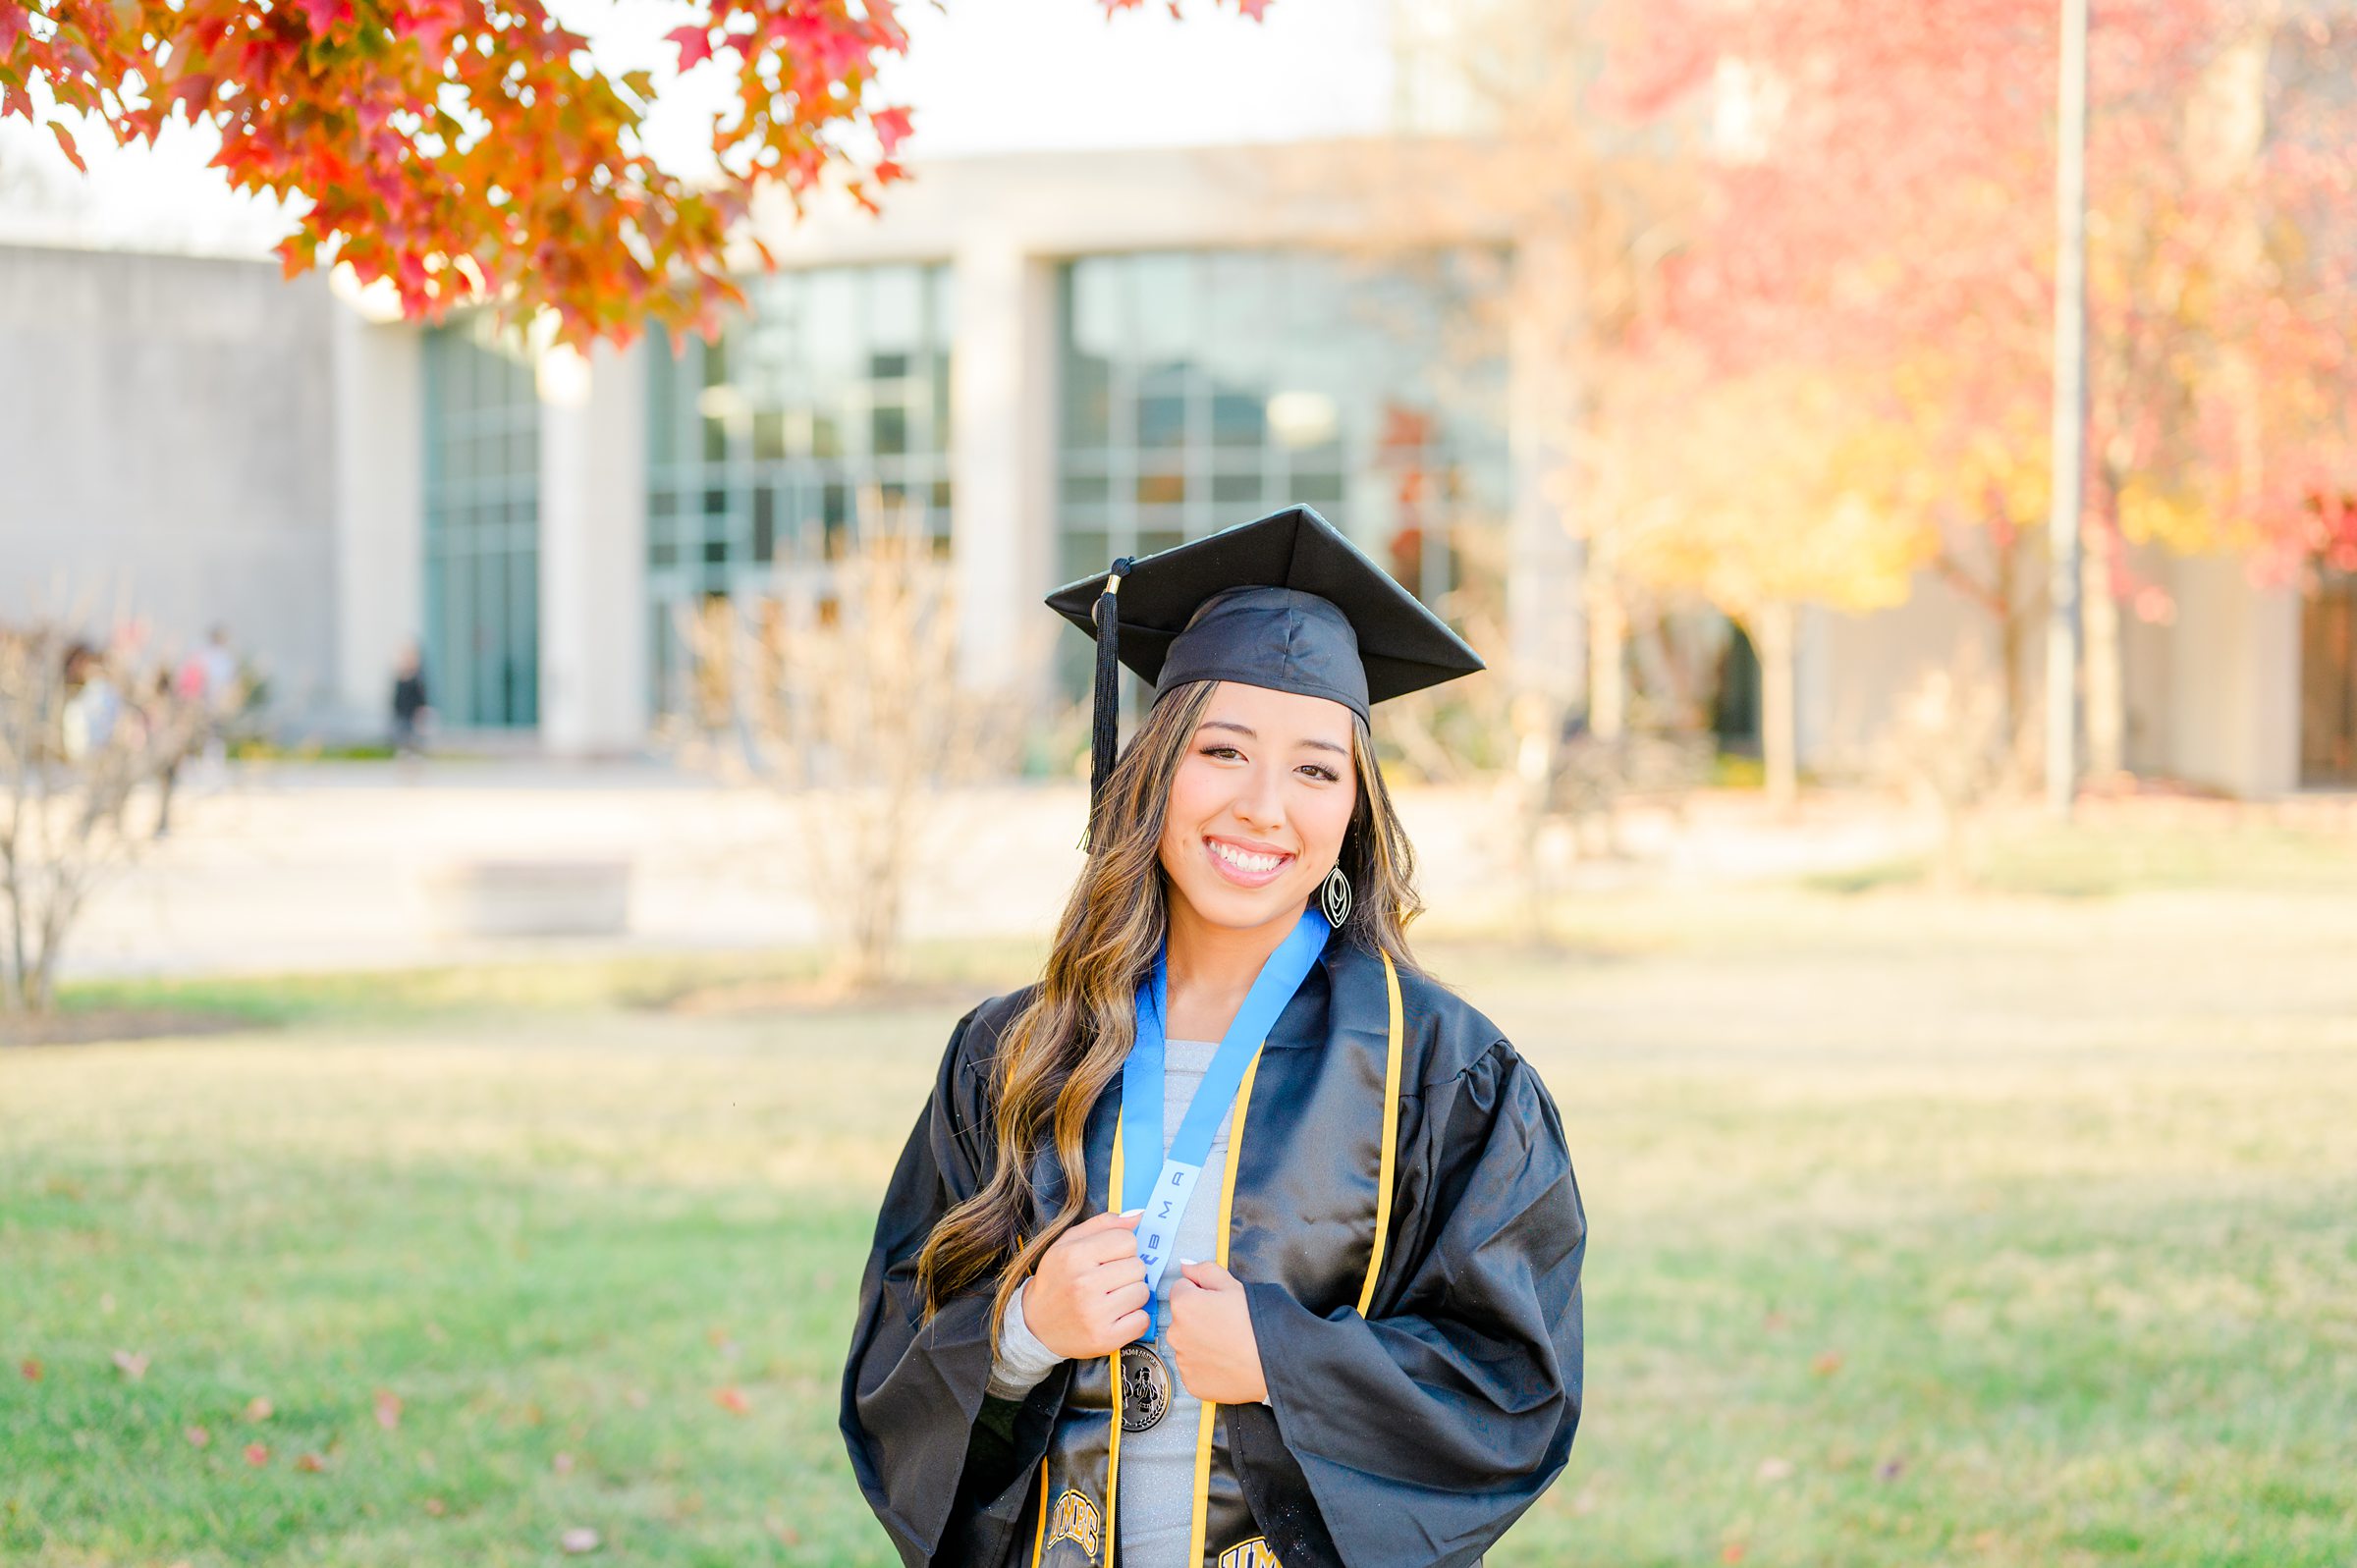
1145	1388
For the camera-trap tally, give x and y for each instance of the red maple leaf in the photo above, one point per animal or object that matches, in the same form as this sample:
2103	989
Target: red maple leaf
694	45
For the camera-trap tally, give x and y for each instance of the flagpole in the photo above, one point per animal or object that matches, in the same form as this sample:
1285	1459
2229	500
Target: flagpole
2062	628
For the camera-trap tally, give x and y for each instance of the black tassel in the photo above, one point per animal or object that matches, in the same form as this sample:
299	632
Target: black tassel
1104	715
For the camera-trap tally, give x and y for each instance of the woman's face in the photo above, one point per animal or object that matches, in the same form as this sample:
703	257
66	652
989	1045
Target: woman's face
1259	805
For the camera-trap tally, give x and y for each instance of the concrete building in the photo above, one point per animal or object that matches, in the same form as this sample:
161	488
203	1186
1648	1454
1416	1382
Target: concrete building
1052	357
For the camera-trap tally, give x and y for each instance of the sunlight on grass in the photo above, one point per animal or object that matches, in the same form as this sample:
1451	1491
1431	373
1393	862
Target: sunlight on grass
1979	1232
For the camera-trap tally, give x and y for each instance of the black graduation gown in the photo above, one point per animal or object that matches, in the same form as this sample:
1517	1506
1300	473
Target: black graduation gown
1413	1435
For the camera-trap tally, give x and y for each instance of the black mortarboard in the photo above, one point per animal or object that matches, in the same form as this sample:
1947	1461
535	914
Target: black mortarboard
1285	603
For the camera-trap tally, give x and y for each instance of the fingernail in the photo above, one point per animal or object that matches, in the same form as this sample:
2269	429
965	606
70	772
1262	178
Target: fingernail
1133	1214
1188	1262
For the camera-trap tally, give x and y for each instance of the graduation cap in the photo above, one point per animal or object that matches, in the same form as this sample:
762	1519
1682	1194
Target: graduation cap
1285	603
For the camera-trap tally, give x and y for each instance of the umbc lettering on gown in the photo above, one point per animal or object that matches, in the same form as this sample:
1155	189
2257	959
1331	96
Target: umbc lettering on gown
1076	1520
1253	1553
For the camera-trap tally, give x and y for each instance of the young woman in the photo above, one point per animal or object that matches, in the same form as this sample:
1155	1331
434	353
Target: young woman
1235	1241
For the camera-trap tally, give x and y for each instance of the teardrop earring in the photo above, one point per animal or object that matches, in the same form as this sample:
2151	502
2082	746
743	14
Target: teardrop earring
1333	896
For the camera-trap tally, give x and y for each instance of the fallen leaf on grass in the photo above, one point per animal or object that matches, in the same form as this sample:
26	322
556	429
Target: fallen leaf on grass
579	1539
197	1437
388	1408
562	1464
30	1370
1732	1551
1888	1469
1775	1469
258	1409
1827	1365
257	1454
130	1364
732	1400
436	1506
311	1463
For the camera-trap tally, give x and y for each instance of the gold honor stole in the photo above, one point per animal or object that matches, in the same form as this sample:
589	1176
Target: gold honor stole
1072	1517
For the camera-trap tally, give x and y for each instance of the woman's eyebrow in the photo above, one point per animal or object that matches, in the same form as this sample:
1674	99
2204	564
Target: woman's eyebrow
1249	733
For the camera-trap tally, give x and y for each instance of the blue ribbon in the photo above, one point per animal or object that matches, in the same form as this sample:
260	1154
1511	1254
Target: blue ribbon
1164	1194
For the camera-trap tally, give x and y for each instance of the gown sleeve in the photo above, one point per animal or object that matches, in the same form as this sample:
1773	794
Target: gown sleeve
1425	1431
914	1391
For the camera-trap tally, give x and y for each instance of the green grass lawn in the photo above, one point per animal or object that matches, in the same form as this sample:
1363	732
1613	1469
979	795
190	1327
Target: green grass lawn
1996	1230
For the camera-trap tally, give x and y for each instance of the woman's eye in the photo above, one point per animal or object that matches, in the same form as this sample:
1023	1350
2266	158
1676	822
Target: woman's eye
1220	751
1320	771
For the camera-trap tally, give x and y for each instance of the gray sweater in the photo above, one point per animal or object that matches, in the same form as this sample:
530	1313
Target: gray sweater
1156	1516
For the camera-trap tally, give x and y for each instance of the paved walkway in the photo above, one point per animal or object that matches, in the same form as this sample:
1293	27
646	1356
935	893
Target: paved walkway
325	866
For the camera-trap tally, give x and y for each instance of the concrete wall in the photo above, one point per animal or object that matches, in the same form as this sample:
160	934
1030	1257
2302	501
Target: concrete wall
2235	680
166	451
1858	669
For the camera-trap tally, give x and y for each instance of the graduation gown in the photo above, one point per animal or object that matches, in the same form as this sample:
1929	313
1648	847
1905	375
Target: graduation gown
1418	1316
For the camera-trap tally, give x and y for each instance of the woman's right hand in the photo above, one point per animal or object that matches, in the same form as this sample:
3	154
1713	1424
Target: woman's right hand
1088	1295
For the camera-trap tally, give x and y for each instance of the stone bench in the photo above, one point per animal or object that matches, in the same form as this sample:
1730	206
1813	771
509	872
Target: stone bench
535	898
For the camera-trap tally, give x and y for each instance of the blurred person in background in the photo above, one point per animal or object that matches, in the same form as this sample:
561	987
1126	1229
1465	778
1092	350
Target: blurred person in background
172	735
1139	1283
208	681
94	706
412	710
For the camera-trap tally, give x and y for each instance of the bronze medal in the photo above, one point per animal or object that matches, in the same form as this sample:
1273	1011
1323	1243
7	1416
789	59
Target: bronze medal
1145	1388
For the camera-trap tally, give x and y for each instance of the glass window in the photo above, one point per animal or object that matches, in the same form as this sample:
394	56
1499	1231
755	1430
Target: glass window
482	486
1204	389
831	392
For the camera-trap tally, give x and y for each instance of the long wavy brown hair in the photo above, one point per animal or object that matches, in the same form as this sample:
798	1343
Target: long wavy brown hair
1065	1048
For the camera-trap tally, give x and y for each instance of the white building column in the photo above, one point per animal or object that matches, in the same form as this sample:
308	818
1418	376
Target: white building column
378	373
594	616
1546	615
1002	392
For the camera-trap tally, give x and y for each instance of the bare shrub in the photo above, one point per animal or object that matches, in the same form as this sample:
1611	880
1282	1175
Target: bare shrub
1947	747
838	687
79	735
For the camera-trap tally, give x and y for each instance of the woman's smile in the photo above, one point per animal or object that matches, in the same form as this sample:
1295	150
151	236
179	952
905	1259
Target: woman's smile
1246	862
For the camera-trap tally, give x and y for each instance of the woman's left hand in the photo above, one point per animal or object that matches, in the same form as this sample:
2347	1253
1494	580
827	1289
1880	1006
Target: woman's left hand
1211	1337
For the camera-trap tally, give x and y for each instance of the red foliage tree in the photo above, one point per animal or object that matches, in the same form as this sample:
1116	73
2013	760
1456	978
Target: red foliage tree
468	150
1886	197
1882	206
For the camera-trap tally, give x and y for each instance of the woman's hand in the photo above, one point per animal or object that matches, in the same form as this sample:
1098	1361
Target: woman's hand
1211	1337
1088	1295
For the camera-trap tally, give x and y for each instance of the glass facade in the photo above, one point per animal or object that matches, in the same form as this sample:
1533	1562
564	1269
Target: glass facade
483	528
1202	389
830	394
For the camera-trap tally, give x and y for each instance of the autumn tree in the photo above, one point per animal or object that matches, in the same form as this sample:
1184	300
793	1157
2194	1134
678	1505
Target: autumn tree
475	150
1763	493
1881	210
1502	133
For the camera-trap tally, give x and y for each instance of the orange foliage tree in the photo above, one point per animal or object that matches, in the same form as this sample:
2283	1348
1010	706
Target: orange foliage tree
474	150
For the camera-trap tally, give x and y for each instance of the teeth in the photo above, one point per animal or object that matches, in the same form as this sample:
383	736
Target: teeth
1245	860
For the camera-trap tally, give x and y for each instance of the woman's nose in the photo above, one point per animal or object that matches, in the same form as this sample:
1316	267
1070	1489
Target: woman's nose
1260	803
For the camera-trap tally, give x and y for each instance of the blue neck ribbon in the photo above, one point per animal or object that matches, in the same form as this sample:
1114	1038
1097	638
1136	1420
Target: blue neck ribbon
1160	1183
